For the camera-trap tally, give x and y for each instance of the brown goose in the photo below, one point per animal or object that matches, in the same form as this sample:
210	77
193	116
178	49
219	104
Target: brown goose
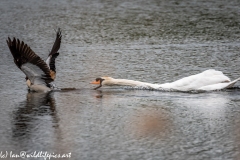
39	74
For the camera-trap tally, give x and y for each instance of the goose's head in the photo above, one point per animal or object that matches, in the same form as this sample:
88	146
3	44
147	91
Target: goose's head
102	81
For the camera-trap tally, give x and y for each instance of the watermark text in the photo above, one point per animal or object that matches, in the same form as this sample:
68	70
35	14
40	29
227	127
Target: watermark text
36	154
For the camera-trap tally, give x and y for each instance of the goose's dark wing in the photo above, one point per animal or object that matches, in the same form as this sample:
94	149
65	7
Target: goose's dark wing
54	53
30	63
16	48
51	62
57	43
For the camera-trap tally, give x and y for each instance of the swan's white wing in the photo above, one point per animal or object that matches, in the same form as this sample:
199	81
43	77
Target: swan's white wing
30	63
219	86
194	82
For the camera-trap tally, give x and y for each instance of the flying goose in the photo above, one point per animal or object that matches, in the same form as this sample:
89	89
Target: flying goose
39	74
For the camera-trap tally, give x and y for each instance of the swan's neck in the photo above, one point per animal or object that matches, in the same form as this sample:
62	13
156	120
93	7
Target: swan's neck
126	82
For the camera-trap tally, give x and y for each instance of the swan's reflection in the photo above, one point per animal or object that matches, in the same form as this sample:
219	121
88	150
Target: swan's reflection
35	121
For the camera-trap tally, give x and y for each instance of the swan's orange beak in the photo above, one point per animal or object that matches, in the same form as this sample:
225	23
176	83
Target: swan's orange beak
95	82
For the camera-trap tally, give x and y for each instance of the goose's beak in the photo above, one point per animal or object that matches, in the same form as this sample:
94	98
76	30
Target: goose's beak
95	82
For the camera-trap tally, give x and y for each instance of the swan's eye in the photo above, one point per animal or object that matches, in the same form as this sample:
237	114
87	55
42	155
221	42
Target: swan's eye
99	79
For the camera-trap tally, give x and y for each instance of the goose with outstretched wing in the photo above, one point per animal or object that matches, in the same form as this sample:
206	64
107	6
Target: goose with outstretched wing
35	69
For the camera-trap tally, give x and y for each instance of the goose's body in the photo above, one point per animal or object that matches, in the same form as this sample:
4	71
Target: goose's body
208	80
39	74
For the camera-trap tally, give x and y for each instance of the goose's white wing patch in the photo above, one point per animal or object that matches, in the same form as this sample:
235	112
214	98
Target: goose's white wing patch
32	72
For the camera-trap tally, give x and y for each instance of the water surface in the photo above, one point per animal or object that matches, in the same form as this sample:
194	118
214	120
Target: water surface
152	41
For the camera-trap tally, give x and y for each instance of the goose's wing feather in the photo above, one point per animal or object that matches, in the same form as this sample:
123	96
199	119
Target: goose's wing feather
16	48
35	74
30	63
54	52
51	62
57	43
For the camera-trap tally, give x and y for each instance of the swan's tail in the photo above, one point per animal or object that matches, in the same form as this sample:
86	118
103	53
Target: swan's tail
219	86
232	83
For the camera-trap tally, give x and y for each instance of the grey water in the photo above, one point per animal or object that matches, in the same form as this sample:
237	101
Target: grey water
152	41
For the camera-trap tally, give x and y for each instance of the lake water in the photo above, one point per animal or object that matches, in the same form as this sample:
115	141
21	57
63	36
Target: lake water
152	41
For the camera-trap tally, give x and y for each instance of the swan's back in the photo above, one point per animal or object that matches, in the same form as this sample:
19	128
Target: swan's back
197	81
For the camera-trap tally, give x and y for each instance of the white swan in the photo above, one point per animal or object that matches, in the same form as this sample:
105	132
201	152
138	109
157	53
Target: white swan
39	74
208	80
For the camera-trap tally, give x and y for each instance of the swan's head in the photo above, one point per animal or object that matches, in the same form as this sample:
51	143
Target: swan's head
102	81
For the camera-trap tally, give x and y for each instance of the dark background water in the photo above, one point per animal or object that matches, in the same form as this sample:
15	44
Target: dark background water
153	41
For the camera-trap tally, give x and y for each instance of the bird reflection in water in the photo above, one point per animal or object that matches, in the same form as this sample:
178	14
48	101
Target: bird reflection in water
35	120
99	94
